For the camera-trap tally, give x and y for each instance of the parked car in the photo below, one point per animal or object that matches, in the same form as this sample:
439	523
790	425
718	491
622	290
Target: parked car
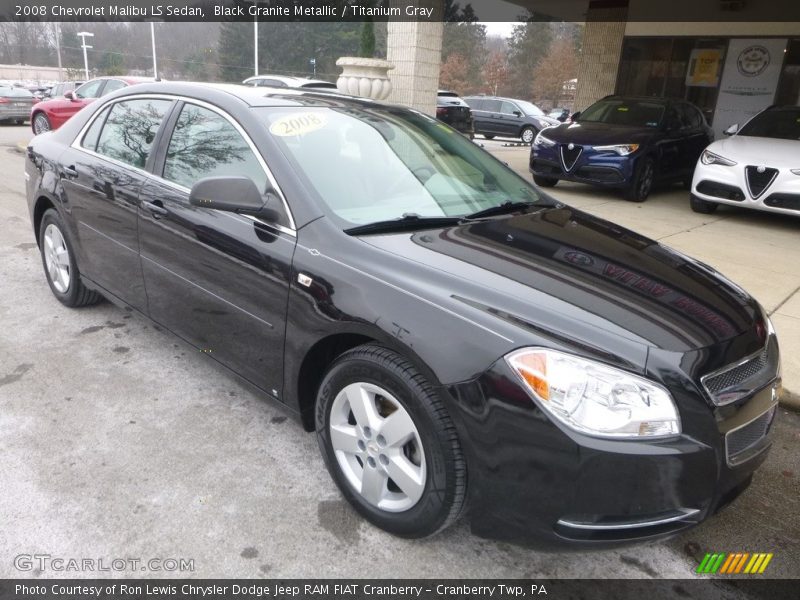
285	81
53	113
623	142
15	104
507	117
559	114
451	109
758	166
61	88
452	334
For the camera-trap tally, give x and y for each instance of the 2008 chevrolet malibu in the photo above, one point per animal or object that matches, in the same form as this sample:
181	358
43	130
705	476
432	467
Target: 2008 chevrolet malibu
459	341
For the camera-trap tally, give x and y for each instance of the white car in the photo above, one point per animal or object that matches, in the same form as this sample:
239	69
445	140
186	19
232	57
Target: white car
757	166
286	81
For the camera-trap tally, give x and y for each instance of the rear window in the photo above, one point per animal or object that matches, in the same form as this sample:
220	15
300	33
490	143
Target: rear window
15	92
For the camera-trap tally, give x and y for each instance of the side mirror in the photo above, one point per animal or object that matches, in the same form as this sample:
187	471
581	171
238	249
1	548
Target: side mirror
575	116
234	194
70	95
517	113
732	130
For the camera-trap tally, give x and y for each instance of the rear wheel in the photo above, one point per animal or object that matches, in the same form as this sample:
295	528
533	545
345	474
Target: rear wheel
389	443
41	123
59	263
702	206
528	134
643	179
544	181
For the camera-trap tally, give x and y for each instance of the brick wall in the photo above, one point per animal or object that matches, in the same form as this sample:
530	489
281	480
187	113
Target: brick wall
602	50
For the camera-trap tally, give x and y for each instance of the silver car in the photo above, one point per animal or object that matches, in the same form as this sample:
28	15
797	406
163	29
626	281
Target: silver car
15	104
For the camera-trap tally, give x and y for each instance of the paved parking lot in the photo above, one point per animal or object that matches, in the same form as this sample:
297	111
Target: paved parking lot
118	441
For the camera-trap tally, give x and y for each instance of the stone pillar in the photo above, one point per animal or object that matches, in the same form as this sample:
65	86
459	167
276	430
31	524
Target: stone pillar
415	50
602	51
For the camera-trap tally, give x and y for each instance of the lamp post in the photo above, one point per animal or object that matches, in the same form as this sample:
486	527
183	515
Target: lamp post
83	35
153	41
255	36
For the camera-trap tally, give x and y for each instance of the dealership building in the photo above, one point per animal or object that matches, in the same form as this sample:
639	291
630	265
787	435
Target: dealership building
732	58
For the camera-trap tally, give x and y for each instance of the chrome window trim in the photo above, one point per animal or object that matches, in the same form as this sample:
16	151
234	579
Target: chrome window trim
685	514
76	144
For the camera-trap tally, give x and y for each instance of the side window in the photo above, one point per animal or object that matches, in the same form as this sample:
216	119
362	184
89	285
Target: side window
90	89
271	83
205	144
492	106
475	104
507	108
113	85
130	129
92	134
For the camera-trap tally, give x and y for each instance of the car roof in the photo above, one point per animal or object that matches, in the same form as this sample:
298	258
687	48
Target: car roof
250	95
288	79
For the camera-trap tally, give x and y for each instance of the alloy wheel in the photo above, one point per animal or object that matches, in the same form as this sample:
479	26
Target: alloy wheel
528	135
56	258
41	124
378	447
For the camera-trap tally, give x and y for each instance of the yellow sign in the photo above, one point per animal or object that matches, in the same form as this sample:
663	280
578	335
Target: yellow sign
704	67
298	124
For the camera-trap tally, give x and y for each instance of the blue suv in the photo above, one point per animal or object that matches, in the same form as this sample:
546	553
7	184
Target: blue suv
629	143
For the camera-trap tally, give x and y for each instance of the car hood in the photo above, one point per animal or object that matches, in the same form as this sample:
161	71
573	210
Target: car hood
769	152
598	134
563	272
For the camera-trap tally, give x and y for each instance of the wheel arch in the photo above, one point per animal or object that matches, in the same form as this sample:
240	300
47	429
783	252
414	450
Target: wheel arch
42	205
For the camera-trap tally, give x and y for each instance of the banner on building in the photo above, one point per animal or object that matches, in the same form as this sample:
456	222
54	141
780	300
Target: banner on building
705	65
749	80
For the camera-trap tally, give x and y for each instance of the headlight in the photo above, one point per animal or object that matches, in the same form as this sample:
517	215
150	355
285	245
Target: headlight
540	140
595	399
621	149
709	158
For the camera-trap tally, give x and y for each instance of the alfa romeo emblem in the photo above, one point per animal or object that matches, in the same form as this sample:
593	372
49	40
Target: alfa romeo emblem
571	147
753	60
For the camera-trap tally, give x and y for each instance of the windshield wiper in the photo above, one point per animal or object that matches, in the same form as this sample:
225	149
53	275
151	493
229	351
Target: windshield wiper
408	222
501	209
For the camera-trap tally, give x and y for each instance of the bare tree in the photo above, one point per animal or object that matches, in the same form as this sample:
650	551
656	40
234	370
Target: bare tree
495	72
454	73
554	71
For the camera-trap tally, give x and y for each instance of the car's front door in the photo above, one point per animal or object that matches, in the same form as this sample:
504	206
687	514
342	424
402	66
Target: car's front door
672	146
511	119
101	176
218	279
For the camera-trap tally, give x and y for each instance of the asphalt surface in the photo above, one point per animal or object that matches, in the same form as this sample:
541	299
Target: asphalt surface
119	441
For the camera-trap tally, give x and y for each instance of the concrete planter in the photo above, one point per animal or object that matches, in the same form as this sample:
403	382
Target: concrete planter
365	77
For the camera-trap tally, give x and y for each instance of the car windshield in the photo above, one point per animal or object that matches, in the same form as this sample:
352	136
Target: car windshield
377	164
529	109
633	113
782	124
14	92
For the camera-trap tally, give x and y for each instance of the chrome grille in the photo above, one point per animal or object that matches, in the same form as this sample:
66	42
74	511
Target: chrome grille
759	179
739	441
734	382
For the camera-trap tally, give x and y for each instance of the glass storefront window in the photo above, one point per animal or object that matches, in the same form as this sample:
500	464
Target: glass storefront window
789	86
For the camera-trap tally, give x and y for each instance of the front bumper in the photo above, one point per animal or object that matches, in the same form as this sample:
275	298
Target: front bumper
606	169
728	185
534	482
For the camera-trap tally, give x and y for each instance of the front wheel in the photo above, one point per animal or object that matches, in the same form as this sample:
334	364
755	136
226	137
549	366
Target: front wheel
389	443
41	123
528	134
545	181
642	183
702	206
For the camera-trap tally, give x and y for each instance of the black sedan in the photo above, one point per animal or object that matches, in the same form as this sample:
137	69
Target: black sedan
453	336
623	142
451	109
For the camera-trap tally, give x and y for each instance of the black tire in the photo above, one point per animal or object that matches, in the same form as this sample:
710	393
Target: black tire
76	294
643	180
702	206
20	121
444	493
40	123
545	182
488	136
528	134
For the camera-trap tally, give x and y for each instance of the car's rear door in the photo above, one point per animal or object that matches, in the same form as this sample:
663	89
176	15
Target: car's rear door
217	279
102	174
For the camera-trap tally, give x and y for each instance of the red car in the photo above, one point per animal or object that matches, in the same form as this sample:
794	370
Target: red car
53	113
